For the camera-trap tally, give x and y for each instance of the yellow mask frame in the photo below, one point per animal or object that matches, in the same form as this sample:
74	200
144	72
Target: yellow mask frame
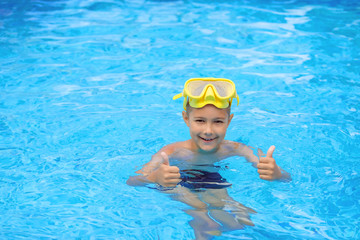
202	91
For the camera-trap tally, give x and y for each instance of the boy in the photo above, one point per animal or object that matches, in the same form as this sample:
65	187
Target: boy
192	177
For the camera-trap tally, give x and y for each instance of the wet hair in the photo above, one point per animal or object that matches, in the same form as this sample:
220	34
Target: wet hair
189	109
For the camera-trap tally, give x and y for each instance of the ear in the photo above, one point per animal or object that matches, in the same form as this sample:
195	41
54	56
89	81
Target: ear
230	118
185	117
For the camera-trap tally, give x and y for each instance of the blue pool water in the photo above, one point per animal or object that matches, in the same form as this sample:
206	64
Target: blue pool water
85	100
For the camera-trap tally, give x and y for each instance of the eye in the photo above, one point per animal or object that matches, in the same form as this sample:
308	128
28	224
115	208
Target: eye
199	121
219	121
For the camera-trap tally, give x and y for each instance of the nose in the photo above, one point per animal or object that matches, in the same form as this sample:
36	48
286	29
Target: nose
208	129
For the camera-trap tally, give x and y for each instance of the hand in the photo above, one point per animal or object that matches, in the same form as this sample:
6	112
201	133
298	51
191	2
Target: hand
166	175
267	167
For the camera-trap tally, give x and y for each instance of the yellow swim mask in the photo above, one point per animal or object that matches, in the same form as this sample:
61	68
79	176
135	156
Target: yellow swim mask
202	91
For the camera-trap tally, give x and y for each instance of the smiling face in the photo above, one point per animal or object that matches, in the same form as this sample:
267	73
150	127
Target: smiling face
207	126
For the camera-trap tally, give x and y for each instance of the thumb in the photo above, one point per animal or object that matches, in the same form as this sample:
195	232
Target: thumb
270	151
165	158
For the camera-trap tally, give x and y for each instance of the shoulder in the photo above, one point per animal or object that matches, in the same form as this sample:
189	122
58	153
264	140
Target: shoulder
232	146
235	148
173	147
229	143
242	150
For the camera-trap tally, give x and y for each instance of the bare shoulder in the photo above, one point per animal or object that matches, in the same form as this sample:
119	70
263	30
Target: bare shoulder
235	147
173	147
238	149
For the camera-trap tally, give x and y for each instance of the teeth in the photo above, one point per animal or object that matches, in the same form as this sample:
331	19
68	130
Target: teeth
208	139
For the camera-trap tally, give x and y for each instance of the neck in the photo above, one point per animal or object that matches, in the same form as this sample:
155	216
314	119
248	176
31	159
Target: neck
196	149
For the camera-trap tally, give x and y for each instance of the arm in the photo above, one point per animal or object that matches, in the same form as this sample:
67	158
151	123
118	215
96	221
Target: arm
243	150
267	167
158	170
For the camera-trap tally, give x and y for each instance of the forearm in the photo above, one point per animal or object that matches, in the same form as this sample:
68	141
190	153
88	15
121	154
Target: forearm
140	180
136	181
285	176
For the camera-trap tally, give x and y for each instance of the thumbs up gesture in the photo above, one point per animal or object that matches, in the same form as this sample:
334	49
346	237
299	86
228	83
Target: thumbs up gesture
267	167
166	175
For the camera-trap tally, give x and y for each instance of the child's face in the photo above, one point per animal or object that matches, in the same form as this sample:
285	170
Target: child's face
207	126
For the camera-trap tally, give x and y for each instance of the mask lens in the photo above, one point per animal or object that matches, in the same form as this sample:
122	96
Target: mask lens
223	88
196	87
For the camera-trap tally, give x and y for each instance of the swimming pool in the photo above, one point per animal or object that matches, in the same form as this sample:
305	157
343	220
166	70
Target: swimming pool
85	100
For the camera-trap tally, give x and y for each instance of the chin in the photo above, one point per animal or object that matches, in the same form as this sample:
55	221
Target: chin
208	149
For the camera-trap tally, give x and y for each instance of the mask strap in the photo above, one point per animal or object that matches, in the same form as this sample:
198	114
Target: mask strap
185	102
178	96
